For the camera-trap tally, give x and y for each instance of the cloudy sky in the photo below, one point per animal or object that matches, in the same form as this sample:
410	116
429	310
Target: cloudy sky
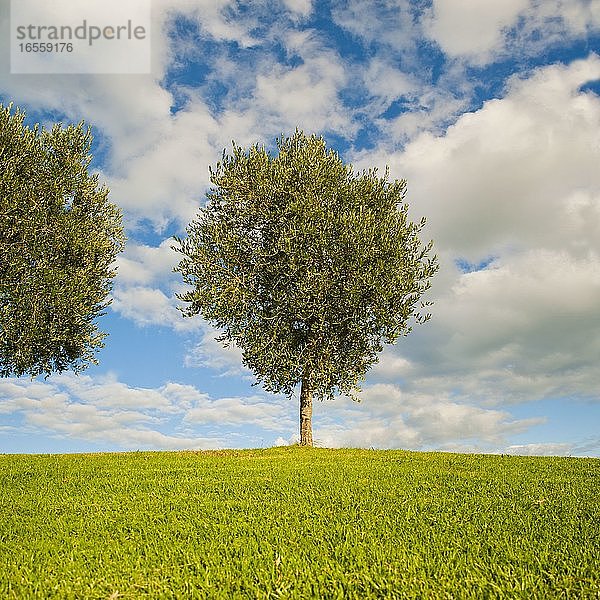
490	110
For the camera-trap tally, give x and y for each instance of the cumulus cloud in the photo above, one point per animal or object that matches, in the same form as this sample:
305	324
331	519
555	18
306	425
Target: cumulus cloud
148	306
391	416
393	24
110	413
213	355
469	27
161	136
105	411
145	287
141	264
483	32
522	330
166	180
512	187
283	95
514	173
302	8
267	414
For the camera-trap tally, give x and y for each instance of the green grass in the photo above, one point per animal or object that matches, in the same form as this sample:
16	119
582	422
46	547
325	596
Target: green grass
299	523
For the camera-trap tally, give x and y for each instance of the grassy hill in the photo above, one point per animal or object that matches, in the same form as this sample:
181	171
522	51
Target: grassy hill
299	523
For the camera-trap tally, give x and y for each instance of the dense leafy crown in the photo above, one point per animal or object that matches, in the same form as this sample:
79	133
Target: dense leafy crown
59	236
306	266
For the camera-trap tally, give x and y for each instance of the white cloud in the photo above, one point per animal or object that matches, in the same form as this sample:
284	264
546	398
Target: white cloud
421	106
104	411
482	32
148	306
545	449
471	27
184	396
108	412
391	23
390	416
304	96
387	82
431	110
140	264
522	330
145	287
211	354
107	392
450	421
280	441
539	296
587	447
218	18
514	173
301	7
392	367
168	176
270	414
516	180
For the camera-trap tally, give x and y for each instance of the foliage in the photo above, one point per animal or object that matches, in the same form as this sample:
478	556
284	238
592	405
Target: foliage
305	265
59	236
299	523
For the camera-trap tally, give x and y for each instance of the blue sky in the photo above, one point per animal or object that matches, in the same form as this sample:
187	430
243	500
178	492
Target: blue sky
490	110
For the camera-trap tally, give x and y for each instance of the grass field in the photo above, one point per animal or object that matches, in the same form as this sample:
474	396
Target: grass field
299	523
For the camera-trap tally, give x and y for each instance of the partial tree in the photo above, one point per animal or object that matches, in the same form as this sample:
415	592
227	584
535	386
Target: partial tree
59	236
305	265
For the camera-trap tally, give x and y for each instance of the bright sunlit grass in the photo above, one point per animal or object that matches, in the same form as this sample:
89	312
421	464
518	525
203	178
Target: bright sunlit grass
299	523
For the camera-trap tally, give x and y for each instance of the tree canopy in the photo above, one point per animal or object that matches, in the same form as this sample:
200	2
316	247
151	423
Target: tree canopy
59	236
308	267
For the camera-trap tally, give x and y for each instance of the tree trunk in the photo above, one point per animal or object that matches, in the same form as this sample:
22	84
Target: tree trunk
306	438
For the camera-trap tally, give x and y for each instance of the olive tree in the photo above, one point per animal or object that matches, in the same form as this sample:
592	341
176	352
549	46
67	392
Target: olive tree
59	236
305	265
